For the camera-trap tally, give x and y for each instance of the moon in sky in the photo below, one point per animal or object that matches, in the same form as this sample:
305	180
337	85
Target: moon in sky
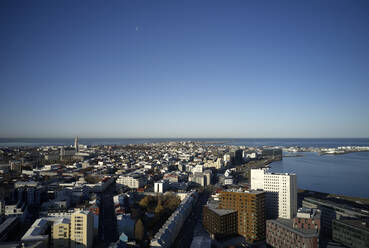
136	29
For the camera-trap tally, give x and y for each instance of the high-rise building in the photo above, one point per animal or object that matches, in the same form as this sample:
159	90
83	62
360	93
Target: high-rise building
60	233
250	206
281	192
82	225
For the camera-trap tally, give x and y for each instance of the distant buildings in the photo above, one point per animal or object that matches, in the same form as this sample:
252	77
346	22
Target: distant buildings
250	207
281	196
201	178
274	153
76	144
237	155
133	181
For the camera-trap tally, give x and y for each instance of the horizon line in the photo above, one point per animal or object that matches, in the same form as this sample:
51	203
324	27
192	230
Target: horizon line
79	137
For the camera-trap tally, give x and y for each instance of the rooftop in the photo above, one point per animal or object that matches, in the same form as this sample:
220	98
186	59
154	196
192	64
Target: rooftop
362	224
219	211
288	224
245	191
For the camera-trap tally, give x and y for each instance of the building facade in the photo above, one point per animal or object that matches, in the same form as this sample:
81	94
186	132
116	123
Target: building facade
220	223
82	224
60	233
132	181
250	207
332	211
281	234
351	233
161	186
281	192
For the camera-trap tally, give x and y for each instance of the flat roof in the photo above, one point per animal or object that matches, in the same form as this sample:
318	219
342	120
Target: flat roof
361	224
251	191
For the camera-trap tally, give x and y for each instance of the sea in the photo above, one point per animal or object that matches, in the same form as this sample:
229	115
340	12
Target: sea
345	174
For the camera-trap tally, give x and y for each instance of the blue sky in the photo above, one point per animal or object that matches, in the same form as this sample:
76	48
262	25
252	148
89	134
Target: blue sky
184	68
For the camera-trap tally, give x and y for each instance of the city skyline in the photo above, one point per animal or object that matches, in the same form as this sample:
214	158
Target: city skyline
163	69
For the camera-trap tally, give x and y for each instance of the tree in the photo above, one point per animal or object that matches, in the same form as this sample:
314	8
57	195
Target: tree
139	230
159	208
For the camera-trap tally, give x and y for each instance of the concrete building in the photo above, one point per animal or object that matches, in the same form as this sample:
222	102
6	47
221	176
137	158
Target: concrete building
60	233
82	224
332	211
133	181
38	232
307	218
352	233
201	178
250	207
281	196
161	186
280	233
208	175
220	223
301	231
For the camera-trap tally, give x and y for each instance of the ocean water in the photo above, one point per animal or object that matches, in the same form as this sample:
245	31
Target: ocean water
346	174
248	142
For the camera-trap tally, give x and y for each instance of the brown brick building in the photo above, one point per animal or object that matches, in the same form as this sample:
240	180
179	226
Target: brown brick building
250	206
220	223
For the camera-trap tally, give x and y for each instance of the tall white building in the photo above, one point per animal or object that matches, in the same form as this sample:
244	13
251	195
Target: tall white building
281	188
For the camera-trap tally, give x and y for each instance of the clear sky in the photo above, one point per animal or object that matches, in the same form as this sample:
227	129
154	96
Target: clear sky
184	68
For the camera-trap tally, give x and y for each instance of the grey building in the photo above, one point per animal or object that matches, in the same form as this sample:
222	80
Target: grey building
352	233
332	211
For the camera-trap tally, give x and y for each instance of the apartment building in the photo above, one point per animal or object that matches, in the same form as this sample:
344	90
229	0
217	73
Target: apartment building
250	207
60	233
82	224
281	192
